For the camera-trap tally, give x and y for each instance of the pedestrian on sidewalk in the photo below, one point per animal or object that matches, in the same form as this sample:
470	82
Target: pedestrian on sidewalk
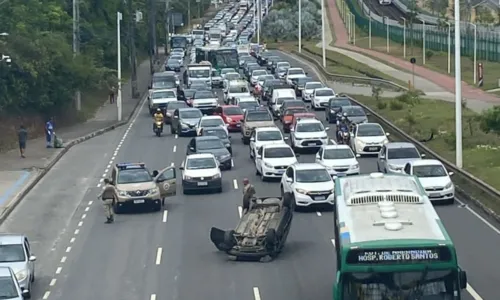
49	132
108	198
22	135
112	95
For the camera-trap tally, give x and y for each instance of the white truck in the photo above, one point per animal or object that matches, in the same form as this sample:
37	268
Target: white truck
198	74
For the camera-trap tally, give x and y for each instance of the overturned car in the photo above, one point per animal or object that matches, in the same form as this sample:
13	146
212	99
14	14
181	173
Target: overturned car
261	232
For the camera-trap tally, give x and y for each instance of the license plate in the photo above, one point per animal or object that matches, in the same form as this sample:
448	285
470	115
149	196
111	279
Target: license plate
340	174
203	183
238	125
311	144
138	201
434	195
281	171
372	148
320	198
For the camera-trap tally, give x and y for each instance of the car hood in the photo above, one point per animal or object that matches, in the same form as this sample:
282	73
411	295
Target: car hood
401	162
201	173
259	144
315	186
191	122
259	124
218	153
296	76
310	135
208	100
163	100
371	139
339	162
136	186
357	120
282	161
15	266
237	95
438	182
323	98
309	91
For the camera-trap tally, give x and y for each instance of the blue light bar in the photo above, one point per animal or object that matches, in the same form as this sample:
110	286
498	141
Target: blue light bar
124	166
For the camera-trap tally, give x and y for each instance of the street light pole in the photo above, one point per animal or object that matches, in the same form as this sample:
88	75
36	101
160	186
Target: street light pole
300	26
76	45
423	42
449	47
458	89
119	64
404	37
259	14
387	23
323	32
370	30
475	52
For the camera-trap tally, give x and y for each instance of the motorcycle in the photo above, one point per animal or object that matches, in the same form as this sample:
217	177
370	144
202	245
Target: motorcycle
345	136
158	128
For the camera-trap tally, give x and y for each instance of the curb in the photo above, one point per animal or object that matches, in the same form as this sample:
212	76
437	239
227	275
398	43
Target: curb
53	161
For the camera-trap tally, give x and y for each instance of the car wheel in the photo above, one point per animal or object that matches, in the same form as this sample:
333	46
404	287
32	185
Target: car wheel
271	239
185	192
219	190
172	130
116	209
157	207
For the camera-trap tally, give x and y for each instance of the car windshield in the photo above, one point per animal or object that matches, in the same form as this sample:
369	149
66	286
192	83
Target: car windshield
258	73
370	130
238	89
163	95
173	62
259	116
282	100
325	93
340	102
312	86
232	111
303	81
133	176
176	104
209	144
401	153
292	111
278	152
12	253
8	288
232	76
203	95
315	175
249	104
295	72
189	93
190	114
310	127
354	111
271	135
265	77
164	83
220	133
283	65
338	154
212	122
200	163
202	73
429	171
271	82
228	70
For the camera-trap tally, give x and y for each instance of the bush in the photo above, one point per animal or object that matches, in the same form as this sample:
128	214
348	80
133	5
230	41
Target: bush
395	105
381	104
490	120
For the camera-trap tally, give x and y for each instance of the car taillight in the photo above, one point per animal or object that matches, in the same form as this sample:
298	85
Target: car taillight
229	119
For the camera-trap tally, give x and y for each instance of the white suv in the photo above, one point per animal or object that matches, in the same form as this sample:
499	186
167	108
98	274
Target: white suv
271	161
210	121
308	184
308	133
264	136
321	97
338	160
201	172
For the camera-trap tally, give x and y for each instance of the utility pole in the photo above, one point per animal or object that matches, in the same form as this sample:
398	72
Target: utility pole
167	27
150	35
189	14
76	45
131	41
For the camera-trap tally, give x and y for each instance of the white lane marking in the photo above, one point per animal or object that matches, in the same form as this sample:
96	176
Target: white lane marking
175	149
106	171
58	270
63	259
235	184
90	203
72	240
256	293
172	164
232	163
153	297
108	166
473	293
182	164
240	211
99	185
158	255
87	208
53	282
333	243
318	213
101	180
165	216
496	230
46	295
176	136
84	216
68	249
77	231
80	224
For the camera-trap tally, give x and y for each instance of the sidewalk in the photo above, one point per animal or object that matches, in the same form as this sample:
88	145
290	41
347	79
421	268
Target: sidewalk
435	85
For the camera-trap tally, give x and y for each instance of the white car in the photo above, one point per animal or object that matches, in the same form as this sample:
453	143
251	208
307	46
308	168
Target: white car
321	97
204	101
339	160
307	93
201	172
294	73
254	78
434	179
263	78
239	100
236	89
308	184
271	161
160	98
227	78
264	136
225	71
210	121
368	138
178	51
308	133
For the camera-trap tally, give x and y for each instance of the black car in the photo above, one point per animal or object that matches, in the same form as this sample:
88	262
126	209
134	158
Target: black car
173	65
299	84
211	144
334	107
271	60
188	94
268	84
269	95
221	133
263	57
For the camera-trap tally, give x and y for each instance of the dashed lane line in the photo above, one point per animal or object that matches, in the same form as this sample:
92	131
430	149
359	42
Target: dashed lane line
256	293
318	213
333	243
53	282
153	297
158	255
240	211
473	293
174	149
46	295
235	184
165	216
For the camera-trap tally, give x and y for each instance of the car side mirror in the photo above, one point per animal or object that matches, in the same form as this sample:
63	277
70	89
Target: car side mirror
32	258
252	139
317	156
289	180
450	173
285	138
191	149
259	156
176	117
181	168
387	134
358	155
149	87
292	129
368	114
155	173
382	157
423	155
26	293
352	134
327	128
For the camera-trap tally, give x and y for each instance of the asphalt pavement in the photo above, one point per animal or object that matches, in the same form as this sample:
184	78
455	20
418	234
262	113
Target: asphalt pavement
168	255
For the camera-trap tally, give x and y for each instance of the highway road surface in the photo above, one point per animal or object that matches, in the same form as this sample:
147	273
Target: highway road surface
168	255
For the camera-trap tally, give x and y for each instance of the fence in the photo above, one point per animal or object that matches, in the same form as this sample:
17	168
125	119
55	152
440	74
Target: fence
436	37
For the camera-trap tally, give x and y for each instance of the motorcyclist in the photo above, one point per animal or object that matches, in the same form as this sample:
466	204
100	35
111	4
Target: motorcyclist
344	124
158	117
257	91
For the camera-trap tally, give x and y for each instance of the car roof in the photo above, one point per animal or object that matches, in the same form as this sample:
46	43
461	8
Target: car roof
211	117
5	272
206	137
369	124
338	146
427	162
188	109
280	145
228	106
200	155
398	145
309	120
308	166
315	82
163	90
323	89
11	239
295	68
267	128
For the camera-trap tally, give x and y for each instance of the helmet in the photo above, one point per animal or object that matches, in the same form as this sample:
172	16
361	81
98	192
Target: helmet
158	110
343	118
344	114
246	181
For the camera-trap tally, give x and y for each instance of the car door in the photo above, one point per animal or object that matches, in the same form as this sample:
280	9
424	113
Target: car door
287	186
258	159
382	159
166	181
319	156
30	257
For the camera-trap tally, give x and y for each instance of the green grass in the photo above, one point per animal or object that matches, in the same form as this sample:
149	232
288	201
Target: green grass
480	150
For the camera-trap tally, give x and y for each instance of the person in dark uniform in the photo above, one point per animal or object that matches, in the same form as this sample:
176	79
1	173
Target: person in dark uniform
248	195
108	199
22	135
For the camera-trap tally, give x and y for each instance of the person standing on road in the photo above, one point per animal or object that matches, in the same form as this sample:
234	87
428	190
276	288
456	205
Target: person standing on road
49	132
22	135
248	194
112	95
108	198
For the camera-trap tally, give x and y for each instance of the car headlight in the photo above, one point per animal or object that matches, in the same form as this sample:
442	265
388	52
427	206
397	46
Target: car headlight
169	114
268	165
216	176
301	191
154	191
324	137
122	193
394	167
187	177
356	166
229	119
360	143
21	275
225	156
184	125
385	141
298	139
449	185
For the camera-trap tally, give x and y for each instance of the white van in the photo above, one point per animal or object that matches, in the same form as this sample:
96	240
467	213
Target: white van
280	96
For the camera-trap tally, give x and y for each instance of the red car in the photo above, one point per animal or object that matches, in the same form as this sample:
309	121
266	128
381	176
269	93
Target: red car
232	115
302	115
287	117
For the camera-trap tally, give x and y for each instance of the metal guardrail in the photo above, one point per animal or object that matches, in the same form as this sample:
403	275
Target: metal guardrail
467	186
355	79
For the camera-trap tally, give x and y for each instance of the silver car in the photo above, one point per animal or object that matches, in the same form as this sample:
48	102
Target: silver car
394	156
15	253
9	287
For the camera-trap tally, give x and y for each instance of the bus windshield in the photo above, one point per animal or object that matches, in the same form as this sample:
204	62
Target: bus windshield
226	58
178	42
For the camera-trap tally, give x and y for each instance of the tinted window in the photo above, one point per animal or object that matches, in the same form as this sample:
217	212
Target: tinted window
295	72
269	136
165	94
189	93
338	154
292	111
249	104
259	116
303	81
318	175
429	171
133	176
190	114
232	111
8	288
173	62
401	153
211	122
283	65
324	93
354	111
232	76
340	102
220	133
12	253
265	77
312	86
164	82
272	82
238	89
370	130
281	100
278	152
203	73
200	163
176	104
310	127
209	144
259	73
203	95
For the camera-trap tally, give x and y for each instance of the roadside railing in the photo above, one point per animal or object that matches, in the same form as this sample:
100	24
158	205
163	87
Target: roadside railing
468	188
